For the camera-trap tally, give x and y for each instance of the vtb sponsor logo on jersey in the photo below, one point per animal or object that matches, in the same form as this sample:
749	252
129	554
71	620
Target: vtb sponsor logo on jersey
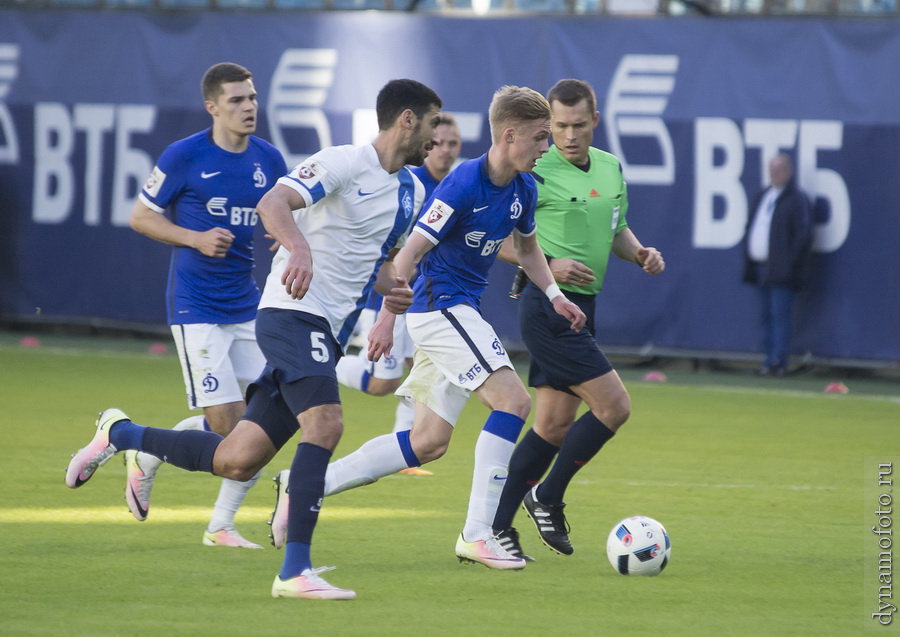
437	215
238	215
473	240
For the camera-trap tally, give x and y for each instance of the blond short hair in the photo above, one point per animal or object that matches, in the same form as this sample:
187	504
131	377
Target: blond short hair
513	105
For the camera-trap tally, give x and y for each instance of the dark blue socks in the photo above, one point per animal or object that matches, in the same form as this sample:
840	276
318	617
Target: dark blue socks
527	465
585	438
307	488
191	450
125	435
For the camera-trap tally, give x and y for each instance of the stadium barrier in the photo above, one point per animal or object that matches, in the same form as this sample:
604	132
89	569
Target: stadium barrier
692	108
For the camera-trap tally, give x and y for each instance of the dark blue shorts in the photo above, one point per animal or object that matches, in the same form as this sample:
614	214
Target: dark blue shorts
560	357
301	355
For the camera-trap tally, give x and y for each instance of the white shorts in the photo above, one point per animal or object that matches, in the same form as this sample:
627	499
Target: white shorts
456	351
386	368
218	361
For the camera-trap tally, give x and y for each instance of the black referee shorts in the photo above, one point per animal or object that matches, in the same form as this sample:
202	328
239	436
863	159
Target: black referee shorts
560	357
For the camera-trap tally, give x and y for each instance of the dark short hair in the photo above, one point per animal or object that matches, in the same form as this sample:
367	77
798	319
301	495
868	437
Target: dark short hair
569	92
219	74
398	95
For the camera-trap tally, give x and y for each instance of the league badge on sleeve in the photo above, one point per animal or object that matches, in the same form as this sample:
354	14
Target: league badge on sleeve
310	173
437	215
154	182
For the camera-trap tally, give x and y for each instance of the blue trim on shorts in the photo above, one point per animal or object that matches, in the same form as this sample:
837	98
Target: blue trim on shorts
409	456
187	365
459	328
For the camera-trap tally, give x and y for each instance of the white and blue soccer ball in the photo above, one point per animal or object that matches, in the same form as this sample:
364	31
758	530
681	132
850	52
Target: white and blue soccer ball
638	546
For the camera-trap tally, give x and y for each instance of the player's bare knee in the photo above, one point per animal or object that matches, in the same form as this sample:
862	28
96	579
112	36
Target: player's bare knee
327	437
521	406
552	432
429	448
616	414
382	386
431	452
234	468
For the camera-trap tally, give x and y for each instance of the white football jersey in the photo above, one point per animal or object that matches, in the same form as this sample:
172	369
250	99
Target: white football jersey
355	213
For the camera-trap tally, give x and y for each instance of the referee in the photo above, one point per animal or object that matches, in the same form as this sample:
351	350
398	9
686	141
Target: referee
581	219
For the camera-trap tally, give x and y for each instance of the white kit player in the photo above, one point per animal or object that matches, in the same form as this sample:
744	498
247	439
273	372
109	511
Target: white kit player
384	376
455	241
337	217
210	183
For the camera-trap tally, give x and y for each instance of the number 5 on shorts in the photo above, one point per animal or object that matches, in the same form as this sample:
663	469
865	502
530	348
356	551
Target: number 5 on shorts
319	350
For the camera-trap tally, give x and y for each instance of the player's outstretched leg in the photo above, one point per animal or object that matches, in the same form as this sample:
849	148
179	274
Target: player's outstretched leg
140	472
550	521
487	551
97	452
403	420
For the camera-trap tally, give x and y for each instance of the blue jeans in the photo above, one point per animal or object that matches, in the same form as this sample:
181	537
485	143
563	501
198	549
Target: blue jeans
777	302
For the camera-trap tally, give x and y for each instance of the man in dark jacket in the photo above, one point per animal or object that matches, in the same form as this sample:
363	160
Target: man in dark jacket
776	245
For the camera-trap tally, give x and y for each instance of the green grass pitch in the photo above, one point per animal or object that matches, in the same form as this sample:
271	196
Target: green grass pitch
760	483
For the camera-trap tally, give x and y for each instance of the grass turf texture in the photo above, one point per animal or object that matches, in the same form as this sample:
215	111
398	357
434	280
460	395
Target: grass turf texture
758	481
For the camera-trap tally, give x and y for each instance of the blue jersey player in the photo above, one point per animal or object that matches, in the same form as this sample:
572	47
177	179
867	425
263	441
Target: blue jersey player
338	217
201	198
455	242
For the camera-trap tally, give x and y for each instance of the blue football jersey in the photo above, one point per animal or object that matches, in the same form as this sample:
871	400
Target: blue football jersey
203	186
427	180
467	219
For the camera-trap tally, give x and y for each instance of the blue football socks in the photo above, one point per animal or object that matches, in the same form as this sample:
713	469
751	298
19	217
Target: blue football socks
307	488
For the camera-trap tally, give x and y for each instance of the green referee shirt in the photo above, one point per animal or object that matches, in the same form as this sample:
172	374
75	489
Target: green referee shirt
579	213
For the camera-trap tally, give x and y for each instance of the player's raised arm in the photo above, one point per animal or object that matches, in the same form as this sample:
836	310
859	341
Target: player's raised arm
276	211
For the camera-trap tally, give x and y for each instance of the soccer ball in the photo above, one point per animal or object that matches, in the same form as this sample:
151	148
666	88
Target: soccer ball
638	546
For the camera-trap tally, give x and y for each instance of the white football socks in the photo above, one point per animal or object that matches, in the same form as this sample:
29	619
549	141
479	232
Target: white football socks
375	459
492	454
351	370
231	496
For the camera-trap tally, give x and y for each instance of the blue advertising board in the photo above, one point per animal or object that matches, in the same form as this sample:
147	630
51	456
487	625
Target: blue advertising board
692	107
